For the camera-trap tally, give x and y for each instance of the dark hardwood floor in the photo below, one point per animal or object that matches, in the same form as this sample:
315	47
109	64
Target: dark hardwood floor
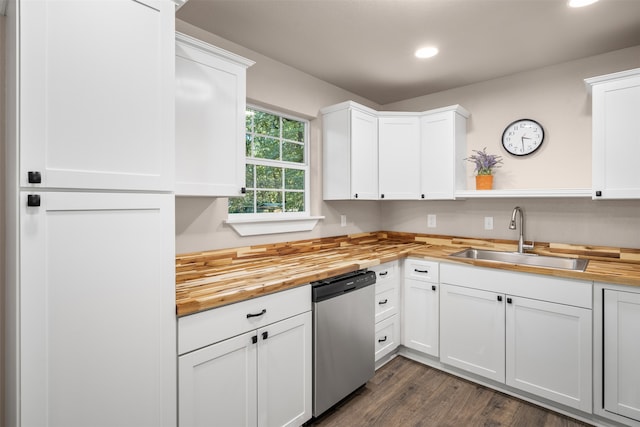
405	393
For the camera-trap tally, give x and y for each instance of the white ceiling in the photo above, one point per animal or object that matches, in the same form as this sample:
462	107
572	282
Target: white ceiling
366	46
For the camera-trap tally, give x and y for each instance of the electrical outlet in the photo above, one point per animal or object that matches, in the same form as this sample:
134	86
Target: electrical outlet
431	221
343	220
488	223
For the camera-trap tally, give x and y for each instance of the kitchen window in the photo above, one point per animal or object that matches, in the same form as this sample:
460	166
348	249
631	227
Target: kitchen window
277	167
277	176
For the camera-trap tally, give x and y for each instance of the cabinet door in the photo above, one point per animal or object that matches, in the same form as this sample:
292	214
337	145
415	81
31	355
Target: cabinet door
399	161
548	350
438	149
284	372
217	384
97	304
210	120
472	330
96	99
621	353
615	139
421	316
364	156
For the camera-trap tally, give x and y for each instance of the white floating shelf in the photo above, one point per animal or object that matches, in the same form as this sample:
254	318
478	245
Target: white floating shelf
539	193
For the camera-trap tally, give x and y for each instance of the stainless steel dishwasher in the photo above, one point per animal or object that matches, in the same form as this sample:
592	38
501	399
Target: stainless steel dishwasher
343	336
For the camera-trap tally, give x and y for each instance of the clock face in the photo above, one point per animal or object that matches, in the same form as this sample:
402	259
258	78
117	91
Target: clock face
522	137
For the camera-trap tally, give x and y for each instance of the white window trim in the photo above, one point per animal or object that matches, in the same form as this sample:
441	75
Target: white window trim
283	222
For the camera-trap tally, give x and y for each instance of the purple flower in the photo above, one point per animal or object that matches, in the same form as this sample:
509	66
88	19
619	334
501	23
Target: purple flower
485	163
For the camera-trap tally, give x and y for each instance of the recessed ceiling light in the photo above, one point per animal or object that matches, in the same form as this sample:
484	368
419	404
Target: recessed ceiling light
426	52
580	3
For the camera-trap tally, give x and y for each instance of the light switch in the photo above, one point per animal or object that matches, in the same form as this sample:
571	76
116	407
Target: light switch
488	223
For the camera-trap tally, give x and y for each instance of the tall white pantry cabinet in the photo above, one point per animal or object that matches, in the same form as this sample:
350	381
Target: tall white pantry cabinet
91	337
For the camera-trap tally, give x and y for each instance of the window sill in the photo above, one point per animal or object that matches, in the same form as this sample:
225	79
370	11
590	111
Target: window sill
255	227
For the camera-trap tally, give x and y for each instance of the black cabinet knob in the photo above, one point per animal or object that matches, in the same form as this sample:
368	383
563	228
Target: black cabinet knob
499	297
598	193
265	335
509	300
243	190
35	177
433	287
356	195
382	196
33	200
422	196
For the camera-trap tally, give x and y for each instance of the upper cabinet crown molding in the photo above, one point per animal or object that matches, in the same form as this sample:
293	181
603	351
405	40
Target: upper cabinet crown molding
209	48
592	81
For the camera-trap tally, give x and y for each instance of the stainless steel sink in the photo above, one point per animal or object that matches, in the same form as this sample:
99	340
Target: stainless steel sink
523	259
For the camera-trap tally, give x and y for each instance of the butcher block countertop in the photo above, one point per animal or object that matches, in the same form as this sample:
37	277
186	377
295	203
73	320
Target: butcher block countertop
206	280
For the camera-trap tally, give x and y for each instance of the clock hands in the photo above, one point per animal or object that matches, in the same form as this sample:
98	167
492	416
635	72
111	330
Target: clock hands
522	140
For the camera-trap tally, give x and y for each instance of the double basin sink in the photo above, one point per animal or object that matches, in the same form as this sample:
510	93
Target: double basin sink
518	258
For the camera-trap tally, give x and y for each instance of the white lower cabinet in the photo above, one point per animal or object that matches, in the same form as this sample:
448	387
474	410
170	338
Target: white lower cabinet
533	333
622	353
548	350
421	306
261	377
387	308
472	331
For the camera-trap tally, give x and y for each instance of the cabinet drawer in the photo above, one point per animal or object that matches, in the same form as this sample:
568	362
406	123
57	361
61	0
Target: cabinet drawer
387	336
208	327
387	272
387	302
418	269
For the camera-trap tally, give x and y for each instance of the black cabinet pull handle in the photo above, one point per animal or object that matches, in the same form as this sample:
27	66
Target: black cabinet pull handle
433	287
383	302
420	271
509	300
33	200
243	190
254	339
264	310
422	196
382	196
265	335
34	177
383	273
356	195
499	297
383	339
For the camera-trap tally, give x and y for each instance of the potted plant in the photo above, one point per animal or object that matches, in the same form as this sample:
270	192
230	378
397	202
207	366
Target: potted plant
484	165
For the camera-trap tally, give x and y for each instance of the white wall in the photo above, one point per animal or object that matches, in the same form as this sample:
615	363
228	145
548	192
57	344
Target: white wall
200	221
555	96
2	209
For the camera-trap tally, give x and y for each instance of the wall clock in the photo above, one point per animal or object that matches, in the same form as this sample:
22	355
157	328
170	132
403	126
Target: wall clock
522	137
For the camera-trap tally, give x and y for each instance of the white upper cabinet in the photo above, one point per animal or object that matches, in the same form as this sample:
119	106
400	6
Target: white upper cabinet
350	152
399	156
210	119
393	155
95	99
443	149
616	144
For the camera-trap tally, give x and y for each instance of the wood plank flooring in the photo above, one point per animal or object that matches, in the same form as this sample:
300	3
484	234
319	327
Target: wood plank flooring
404	393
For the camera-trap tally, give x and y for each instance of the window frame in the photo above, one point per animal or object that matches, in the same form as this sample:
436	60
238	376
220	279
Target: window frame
305	166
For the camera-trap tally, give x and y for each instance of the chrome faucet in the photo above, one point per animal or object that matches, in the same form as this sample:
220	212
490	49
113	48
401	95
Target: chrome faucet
512	226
